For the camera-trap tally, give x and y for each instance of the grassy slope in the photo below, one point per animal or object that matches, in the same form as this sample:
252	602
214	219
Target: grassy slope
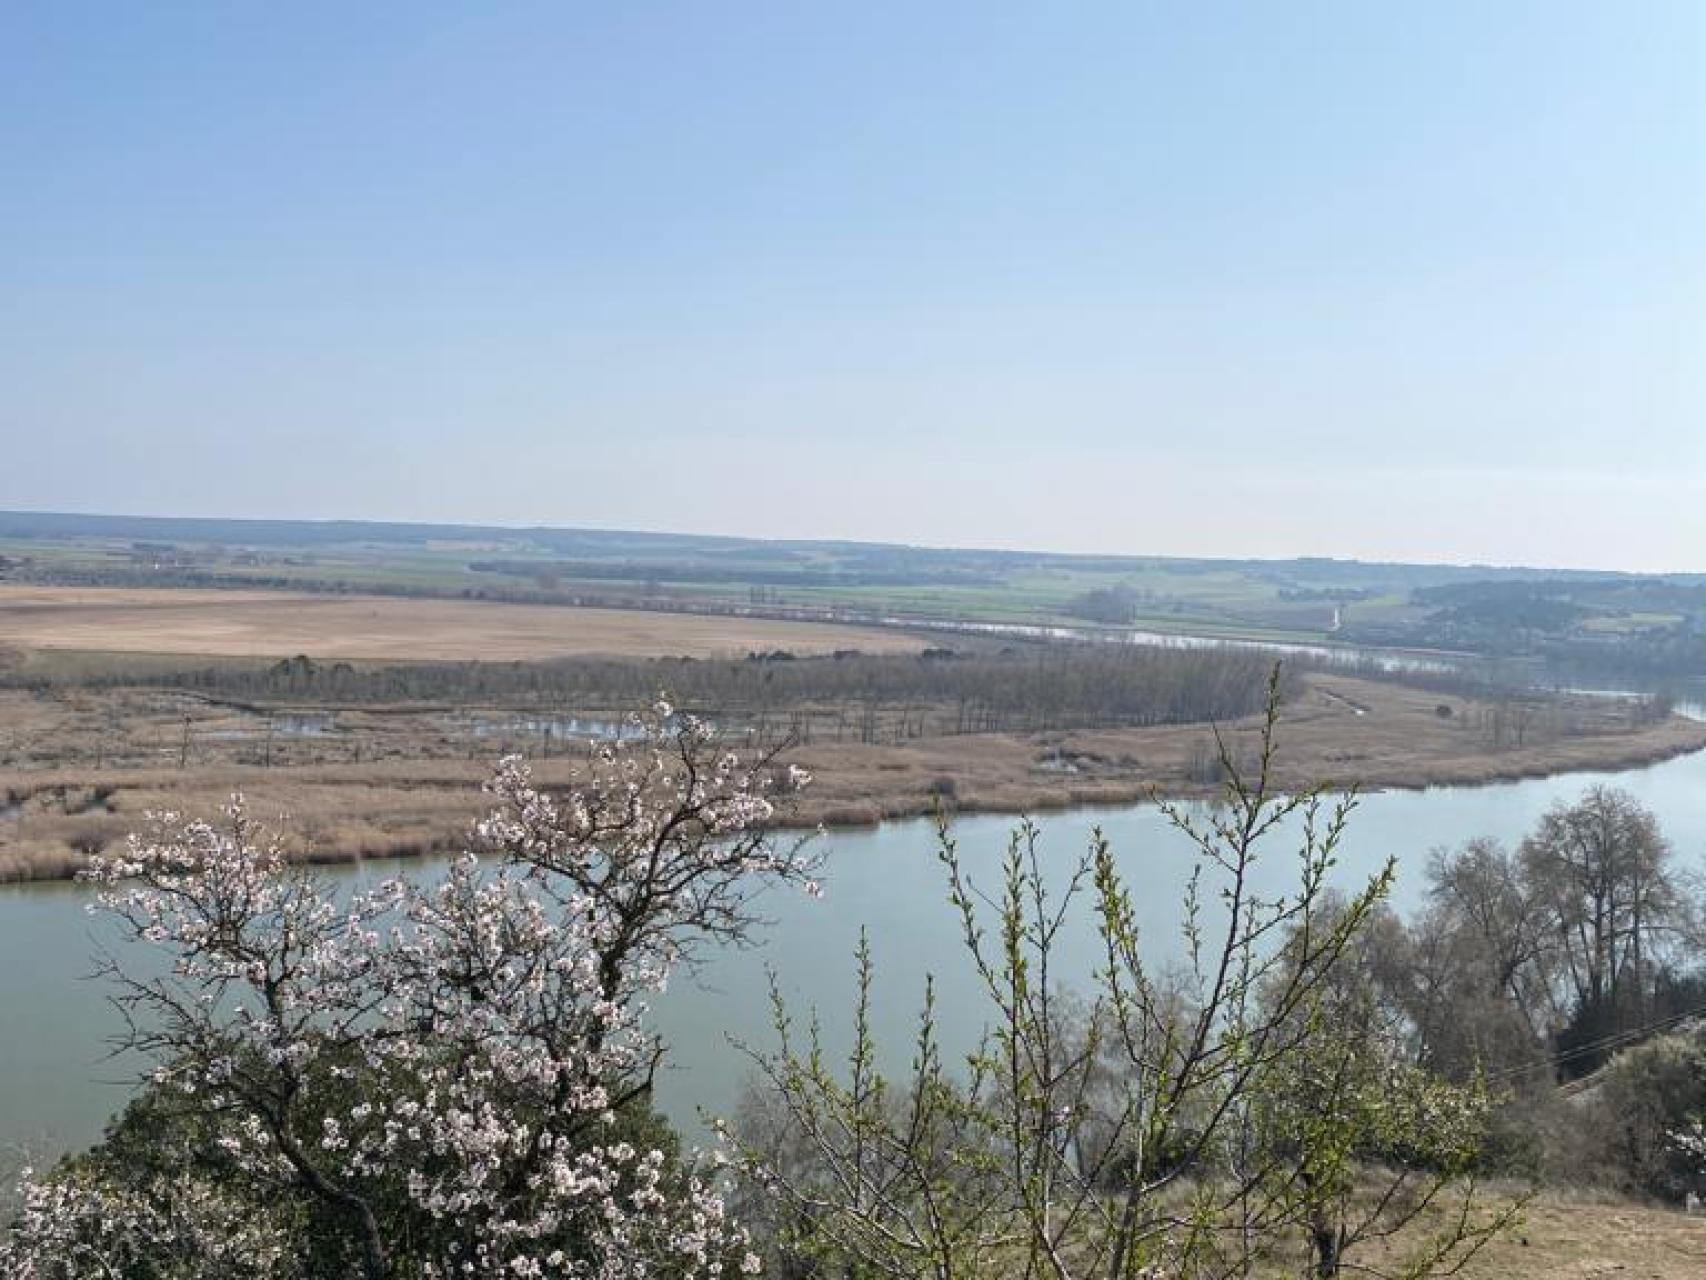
1572	1237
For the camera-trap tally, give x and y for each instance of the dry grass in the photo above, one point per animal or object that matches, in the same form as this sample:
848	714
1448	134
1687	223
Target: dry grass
1561	1233
86	766
1572	1236
368	628
1340	730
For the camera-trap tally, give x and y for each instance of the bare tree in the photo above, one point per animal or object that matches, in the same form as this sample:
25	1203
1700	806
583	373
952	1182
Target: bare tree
1598	873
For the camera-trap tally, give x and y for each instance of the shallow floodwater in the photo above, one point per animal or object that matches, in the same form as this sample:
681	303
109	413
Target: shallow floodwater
57	1087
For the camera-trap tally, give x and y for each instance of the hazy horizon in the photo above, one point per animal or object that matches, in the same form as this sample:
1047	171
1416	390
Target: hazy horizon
502	526
1333	280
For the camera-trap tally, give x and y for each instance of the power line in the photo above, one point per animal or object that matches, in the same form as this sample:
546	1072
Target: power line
1612	1041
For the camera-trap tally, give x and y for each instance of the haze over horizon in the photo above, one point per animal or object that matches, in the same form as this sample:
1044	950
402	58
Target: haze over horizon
512	526
1252	283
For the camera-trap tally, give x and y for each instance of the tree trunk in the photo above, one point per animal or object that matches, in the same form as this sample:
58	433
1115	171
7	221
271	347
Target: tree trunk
1327	1247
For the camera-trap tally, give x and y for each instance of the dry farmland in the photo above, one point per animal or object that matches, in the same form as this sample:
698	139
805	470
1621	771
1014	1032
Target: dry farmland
368	628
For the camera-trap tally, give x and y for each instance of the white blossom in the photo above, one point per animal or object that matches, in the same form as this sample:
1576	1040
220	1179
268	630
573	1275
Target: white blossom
459	1049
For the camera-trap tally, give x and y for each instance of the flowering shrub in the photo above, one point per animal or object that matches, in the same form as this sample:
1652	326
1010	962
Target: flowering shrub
1645	1109
1689	1144
75	1225
423	1081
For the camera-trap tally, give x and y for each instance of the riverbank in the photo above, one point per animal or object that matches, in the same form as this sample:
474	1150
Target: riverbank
1337	730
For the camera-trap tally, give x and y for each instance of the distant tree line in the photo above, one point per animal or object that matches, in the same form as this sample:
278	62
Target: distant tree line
1330	595
1657	625
1015	689
739	575
1111	605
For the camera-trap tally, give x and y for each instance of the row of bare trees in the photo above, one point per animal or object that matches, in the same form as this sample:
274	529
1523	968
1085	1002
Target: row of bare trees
1021	688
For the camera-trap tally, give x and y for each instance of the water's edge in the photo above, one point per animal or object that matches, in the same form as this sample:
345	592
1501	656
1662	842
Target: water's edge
57	1087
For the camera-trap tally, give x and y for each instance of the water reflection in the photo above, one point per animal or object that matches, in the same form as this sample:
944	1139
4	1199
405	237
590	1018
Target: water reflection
56	1089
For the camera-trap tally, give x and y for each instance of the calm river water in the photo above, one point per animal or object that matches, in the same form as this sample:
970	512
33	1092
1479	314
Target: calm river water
57	1088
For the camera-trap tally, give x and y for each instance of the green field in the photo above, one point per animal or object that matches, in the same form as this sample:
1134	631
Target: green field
1476	608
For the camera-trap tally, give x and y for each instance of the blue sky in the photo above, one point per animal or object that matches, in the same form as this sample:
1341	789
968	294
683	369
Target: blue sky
1420	281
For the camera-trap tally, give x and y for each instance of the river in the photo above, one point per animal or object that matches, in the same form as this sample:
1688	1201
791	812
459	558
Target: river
57	1087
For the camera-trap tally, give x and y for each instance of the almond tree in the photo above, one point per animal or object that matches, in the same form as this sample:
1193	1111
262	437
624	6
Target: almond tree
423	1081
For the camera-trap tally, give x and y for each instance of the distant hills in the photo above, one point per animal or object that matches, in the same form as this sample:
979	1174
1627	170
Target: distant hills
618	543
1652	625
